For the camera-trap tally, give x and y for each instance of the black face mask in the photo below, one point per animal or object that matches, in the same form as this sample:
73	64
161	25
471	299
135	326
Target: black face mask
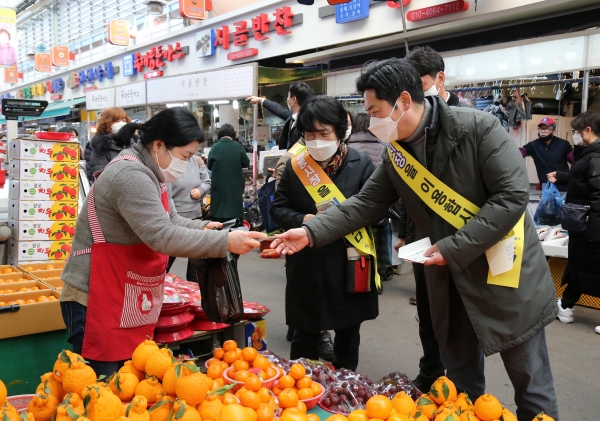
546	138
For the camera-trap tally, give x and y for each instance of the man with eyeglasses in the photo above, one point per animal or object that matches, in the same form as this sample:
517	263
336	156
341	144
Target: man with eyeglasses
549	153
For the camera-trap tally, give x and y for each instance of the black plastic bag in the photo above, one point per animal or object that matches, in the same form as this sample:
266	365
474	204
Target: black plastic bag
220	288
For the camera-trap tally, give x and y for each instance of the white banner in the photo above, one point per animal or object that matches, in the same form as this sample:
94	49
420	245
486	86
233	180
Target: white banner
100	100
130	95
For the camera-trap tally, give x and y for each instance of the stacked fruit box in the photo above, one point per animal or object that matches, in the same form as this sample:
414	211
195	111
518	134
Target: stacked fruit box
44	189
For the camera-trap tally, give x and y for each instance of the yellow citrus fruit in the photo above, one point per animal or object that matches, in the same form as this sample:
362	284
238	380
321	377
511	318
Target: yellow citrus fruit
159	362
446	415
543	417
253	383
292	415
288	398
297	371
234	412
447	405
379	406
304	382
161	410
249	354
230	346
399	417
210	408
7	411
42	407
151	389
77	377
215	371
73	401
250	399
142	353
487	408
443	390
507	415
123	385
128	367
169	380
419	416
104	405
137	410
65	358
50	386
404	404
265	412
468	416
358	415
426	406
463	402
192	386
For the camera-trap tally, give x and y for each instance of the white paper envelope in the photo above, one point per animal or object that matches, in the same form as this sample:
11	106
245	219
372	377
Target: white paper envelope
500	256
414	251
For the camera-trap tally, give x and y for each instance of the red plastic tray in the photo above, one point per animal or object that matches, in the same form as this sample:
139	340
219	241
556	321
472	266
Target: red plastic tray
53	135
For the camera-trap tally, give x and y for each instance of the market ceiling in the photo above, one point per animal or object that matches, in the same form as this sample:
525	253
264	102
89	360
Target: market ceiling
18	5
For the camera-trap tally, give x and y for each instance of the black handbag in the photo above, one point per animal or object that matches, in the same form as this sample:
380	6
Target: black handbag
573	218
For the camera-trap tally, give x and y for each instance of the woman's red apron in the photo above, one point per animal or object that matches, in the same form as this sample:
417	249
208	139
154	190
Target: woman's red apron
125	293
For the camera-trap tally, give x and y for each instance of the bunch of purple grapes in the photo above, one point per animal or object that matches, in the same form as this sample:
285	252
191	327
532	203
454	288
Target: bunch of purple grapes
345	396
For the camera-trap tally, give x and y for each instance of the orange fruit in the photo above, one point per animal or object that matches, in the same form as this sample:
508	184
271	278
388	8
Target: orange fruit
151	389
487	408
42	407
159	362
252	413
49	267
3	393
286	381
231	357
128	367
249	354
261	362
169	380
426	406
399	417
304	382
31	301
240	365
219	353
241	376
123	385
224	365
41	299
419	416
142	353
313	417
270	373
358	415
77	377
253	383
468	416
543	417
234	412
288	398
336	417
230	346
443	390
264	394
7	270
214	371
161	411
507	415
213	361
316	388
250	399
463	402
306	393
192	387
210	408
447	405
297	371
293	414
265	412
276	390
228	399
379	406
446	415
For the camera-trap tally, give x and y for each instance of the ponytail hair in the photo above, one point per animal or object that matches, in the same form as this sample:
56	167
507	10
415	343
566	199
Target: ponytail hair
175	126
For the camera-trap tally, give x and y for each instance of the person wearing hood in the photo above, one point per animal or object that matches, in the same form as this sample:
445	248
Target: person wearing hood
102	146
549	153
316	297
126	230
583	188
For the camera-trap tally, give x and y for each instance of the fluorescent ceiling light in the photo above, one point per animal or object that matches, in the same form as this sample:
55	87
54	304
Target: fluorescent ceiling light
216	113
236	105
180	104
220	102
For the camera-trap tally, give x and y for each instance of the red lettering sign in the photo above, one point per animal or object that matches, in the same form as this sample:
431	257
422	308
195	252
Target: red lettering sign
236	55
437	11
260	26
240	35
152	75
153	59
283	19
222	37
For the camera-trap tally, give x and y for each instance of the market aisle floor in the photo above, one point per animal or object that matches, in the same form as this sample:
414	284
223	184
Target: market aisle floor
391	342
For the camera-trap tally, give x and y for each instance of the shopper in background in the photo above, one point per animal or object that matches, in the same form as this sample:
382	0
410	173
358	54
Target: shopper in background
226	160
187	193
583	188
470	153
364	141
103	147
316	298
430	65
274	142
127	229
549	153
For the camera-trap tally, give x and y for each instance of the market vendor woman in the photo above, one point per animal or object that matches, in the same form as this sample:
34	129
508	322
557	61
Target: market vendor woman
125	232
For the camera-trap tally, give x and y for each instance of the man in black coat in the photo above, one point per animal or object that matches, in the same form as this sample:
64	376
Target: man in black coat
298	94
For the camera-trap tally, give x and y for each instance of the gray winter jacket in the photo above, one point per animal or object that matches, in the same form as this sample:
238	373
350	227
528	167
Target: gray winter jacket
367	143
475	157
130	211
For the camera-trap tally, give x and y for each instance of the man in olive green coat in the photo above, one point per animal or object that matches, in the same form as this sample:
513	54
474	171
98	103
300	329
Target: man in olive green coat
470	152
226	160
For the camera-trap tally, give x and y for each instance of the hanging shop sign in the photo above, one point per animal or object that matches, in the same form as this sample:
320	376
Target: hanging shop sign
118	32
155	58
43	62
154	74
100	100
11	75
97	73
59	56
248	52
438	10
128	65
349	12
205	43
192	9
130	95
39	89
55	87
6	95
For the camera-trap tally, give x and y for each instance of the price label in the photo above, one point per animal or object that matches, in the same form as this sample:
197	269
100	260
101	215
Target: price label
437	11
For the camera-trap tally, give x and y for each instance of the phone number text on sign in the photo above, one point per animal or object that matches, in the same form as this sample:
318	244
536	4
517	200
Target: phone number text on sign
437	11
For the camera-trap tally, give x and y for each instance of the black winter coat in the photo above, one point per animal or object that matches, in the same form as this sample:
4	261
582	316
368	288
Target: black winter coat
315	297
288	136
584	248
104	150
367	143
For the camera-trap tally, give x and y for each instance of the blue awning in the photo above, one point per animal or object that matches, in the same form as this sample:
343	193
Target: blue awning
55	109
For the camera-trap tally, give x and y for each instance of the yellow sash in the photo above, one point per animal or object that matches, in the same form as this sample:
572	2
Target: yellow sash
452	207
321	188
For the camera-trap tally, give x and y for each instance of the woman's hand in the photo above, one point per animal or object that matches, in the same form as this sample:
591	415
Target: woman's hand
551	177
196	194
307	217
291	241
241	242
213	225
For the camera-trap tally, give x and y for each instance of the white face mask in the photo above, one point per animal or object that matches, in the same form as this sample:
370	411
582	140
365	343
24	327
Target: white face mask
348	132
433	90
322	150
289	105
385	129
117	126
175	170
577	139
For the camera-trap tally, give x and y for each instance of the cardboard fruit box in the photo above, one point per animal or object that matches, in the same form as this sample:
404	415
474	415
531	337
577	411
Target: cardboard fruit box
66	191
33	267
43	170
31	318
45	275
54	284
5	289
42	230
7	269
41	150
14	279
42	211
38	250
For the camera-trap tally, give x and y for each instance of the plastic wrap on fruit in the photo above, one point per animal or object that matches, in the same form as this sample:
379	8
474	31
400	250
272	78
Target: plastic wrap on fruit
345	396
345	374
319	371
401	382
